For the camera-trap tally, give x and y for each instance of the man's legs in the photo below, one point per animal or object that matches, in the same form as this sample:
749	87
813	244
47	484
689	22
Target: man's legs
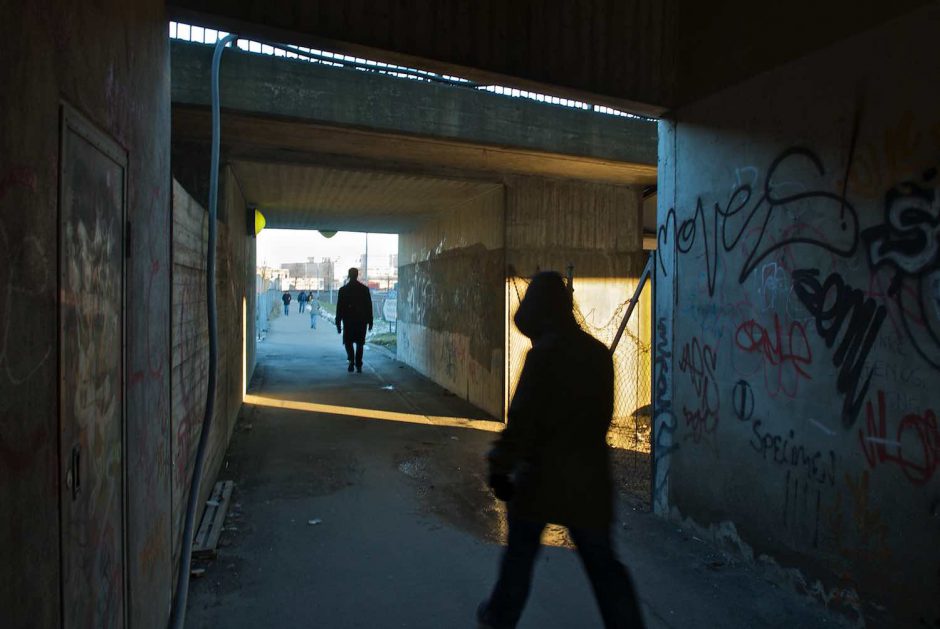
286	310
504	607
359	348
612	585
350	356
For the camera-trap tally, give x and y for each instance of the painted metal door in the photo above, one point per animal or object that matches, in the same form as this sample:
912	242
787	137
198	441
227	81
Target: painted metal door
92	194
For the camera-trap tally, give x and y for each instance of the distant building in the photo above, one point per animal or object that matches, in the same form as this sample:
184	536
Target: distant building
311	275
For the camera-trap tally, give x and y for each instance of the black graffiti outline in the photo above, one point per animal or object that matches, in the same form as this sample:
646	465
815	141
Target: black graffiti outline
686	232
893	242
742	397
858	337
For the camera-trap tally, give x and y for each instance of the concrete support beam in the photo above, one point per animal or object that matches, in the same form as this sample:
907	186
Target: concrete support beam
619	51
345	97
247	137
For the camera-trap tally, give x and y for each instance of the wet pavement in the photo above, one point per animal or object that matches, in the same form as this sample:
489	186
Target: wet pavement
360	501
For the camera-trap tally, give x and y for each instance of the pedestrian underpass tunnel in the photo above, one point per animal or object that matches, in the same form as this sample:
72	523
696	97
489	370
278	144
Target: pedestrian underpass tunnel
484	190
787	184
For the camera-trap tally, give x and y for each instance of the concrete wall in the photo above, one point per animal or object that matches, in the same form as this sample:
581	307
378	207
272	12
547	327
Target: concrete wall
593	227
109	60
190	337
798	320
464	272
450	304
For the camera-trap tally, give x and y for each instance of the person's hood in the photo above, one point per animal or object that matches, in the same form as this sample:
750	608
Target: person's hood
546	307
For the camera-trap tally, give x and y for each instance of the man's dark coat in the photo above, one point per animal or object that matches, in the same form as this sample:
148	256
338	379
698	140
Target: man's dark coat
555	441
354	311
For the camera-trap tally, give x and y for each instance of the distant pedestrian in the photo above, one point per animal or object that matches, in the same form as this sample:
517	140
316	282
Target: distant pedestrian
286	299
314	311
354	309
551	463
301	302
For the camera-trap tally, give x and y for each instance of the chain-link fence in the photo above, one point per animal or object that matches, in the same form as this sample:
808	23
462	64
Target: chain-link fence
630	429
267	307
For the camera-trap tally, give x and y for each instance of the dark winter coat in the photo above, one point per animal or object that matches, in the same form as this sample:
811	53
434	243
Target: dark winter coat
554	447
354	311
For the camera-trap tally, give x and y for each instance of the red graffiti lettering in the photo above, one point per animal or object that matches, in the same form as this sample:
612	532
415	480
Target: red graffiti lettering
784	356
915	449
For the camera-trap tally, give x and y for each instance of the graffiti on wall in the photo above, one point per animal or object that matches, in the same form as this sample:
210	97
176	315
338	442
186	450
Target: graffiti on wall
700	362
790	296
914	447
665	424
758	222
907	245
840	309
771	224
783	354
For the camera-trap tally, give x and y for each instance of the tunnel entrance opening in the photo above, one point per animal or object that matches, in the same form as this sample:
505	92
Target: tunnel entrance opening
483	189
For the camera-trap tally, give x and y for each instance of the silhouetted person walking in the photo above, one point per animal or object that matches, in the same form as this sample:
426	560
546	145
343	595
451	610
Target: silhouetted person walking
354	309
286	299
551	463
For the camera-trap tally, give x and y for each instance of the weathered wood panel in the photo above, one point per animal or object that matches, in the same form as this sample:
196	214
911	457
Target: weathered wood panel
190	336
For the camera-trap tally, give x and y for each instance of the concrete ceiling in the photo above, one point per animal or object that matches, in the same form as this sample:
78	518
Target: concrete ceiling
295	196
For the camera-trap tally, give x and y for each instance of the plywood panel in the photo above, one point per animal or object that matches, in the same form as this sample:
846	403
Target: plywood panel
91	348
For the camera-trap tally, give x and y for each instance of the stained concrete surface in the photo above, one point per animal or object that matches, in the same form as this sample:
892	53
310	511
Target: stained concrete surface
342	521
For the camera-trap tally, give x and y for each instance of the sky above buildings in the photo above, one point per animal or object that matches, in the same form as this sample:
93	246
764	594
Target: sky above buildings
280	246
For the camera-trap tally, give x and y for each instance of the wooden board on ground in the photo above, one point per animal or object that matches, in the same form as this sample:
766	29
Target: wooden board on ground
204	545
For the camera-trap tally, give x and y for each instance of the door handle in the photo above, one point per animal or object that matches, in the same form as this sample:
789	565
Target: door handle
73	478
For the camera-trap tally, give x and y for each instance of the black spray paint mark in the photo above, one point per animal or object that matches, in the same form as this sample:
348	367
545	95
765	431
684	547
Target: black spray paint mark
784	450
801	505
839	308
757	215
908	243
743	401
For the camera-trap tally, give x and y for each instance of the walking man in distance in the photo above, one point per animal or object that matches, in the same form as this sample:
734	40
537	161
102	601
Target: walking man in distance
354	309
551	463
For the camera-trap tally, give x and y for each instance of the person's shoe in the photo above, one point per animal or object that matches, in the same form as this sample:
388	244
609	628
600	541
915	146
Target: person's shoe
350	368
359	368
